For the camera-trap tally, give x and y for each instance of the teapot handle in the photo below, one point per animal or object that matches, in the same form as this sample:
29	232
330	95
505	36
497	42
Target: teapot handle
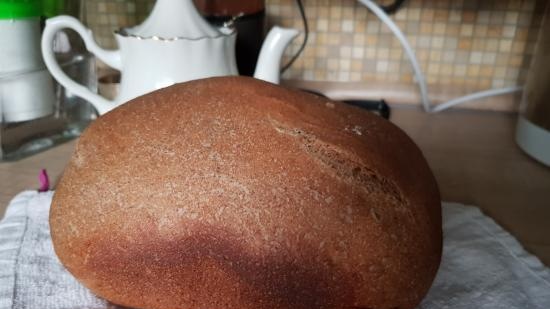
112	58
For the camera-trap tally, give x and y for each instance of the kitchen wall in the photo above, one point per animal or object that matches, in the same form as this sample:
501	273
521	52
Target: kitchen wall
104	16
462	45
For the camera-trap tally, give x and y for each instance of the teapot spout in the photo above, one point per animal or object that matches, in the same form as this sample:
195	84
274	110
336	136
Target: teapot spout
269	61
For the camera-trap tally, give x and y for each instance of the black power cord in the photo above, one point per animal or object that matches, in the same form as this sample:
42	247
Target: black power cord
379	107
392	8
306	35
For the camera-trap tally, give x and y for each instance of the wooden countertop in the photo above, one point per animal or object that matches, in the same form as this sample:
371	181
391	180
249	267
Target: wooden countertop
472	153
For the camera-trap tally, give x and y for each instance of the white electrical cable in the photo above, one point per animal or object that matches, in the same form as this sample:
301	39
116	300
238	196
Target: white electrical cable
406	46
475	96
418	71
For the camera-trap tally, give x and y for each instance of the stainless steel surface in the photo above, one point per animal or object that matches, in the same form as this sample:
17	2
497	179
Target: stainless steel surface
536	96
533	129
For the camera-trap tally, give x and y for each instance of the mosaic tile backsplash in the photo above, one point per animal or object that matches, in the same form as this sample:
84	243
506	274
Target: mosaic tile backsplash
464	45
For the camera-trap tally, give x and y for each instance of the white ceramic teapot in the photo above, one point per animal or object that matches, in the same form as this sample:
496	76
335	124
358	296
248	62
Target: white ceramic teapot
174	44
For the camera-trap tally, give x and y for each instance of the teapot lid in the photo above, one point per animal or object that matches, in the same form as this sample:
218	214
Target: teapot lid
172	19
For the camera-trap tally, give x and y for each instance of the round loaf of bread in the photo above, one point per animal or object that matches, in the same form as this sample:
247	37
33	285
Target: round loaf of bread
236	193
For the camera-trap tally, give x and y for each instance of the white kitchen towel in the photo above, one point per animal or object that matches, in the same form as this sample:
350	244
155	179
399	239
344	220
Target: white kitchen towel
31	276
483	266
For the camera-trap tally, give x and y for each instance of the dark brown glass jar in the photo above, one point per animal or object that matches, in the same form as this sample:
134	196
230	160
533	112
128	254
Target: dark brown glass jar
250	26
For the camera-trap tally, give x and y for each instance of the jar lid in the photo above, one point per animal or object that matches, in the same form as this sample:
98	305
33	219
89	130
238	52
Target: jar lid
17	9
52	8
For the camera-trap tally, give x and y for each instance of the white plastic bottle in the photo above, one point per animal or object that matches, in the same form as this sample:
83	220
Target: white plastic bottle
26	87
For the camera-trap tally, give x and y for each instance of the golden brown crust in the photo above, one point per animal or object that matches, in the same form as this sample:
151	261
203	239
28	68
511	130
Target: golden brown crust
235	193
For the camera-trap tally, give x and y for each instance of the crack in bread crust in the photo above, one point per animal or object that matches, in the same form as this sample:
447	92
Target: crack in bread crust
343	166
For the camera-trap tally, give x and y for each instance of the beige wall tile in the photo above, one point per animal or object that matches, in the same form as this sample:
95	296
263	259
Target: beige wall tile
505	46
